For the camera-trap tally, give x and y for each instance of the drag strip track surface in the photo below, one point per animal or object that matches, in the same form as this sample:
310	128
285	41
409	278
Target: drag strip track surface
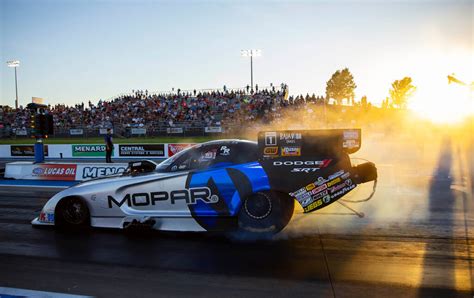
110	263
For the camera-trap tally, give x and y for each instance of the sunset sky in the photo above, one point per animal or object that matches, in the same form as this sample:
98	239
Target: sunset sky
74	51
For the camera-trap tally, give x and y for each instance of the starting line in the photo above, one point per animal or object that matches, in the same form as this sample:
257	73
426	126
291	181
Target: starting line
16	293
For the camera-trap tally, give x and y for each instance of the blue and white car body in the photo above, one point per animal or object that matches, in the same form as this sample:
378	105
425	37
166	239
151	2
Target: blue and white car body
215	186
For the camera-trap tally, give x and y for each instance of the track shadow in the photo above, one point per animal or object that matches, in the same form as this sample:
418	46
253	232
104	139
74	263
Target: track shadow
441	215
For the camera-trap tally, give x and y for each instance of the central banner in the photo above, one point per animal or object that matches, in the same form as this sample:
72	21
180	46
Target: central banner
133	150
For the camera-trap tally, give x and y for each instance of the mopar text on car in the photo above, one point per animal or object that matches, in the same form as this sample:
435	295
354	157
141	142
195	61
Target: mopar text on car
226	185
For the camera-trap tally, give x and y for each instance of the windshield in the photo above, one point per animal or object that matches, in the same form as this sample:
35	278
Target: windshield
162	167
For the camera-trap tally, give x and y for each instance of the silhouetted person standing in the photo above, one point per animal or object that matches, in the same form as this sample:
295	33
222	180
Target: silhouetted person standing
109	146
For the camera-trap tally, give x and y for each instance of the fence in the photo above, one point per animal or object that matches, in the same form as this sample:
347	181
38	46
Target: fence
155	130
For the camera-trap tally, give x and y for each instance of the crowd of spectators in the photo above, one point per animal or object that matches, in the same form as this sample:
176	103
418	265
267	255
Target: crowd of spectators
229	109
180	108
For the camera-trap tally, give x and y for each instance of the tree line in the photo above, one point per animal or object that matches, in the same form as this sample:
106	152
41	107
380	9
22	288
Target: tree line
341	86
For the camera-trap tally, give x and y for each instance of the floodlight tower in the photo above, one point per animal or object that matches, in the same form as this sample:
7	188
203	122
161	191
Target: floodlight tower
251	54
15	64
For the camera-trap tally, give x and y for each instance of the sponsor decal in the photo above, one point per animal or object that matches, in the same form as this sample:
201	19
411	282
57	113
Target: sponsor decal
191	196
224	151
155	150
337	187
351	134
319	163
334	181
298	192
319	188
290	151
208	155
327	199
290	136
270	138
270	150
25	150
310	186
320	195
46	217
320	181
94	172
313	205
304	199
337	174
55	172
88	150
345	176
175	148
343	191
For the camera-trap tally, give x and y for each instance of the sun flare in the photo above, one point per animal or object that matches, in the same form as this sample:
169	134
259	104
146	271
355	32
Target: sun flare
444	103
437	99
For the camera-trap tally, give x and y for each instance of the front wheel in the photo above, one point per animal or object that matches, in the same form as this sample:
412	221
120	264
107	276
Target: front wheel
264	214
72	213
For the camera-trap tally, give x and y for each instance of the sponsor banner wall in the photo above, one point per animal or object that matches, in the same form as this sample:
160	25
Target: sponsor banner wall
88	150
138	131
56	151
174	130
103	131
95	151
134	150
213	129
175	148
5	151
76	131
94	170
62	171
21	132
25	150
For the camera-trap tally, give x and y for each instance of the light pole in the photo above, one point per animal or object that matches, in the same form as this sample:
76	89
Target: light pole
15	64
251	54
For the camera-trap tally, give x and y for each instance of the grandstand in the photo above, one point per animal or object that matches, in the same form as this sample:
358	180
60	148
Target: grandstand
181	113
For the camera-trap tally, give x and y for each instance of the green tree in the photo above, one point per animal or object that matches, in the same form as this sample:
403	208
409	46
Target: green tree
341	85
401	91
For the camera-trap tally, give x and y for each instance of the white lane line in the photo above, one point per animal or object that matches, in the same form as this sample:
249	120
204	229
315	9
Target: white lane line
34	186
13	292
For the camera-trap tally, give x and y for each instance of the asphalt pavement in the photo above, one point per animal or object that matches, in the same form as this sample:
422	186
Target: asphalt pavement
416	239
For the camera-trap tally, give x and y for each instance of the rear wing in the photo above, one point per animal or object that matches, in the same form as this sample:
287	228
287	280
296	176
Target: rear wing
297	143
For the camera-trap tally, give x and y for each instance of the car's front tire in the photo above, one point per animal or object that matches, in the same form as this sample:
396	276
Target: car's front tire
264	214
72	213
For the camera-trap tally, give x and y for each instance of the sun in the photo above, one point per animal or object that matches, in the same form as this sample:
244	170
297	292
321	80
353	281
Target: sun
443	103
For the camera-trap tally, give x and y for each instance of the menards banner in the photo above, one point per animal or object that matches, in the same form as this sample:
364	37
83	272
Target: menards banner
88	150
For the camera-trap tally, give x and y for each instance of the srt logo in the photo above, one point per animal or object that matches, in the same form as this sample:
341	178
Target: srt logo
304	170
190	196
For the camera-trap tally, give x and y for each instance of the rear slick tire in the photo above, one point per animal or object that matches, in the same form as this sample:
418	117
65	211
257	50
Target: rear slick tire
264	214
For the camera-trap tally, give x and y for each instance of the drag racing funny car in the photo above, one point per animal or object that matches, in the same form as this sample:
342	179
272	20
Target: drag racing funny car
225	185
